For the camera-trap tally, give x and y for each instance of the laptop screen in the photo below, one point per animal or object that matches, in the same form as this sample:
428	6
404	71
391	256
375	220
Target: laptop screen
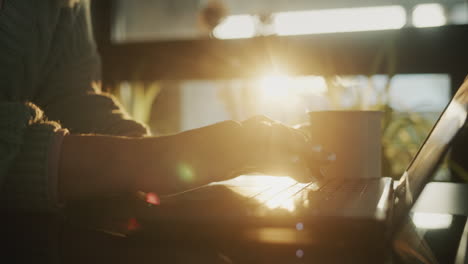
432	151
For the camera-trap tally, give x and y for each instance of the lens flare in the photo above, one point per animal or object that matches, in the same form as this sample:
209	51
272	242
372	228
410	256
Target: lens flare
278	89
299	253
185	172
275	86
132	224
152	198
299	226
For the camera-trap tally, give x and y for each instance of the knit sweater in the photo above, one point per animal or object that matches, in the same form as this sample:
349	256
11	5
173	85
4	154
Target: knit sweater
48	62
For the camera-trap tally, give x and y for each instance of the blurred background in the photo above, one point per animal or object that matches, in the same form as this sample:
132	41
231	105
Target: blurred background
182	64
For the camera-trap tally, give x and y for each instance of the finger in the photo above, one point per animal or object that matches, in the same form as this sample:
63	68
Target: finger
296	142
257	120
272	140
299	158
288	142
277	144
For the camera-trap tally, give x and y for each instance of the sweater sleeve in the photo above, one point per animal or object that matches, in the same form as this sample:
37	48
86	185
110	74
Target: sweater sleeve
27	179
68	94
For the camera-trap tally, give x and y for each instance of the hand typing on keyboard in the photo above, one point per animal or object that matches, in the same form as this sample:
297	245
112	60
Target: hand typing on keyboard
229	148
277	149
101	165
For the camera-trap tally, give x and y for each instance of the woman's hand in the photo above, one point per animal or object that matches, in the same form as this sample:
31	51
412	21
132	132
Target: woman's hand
92	165
229	148
278	149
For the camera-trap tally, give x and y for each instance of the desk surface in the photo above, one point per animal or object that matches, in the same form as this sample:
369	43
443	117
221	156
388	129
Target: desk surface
442	202
433	233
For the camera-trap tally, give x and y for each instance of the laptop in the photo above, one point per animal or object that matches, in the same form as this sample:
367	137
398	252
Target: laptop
259	218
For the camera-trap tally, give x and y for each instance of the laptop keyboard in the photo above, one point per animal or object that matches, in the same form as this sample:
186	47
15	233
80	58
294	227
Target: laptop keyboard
276	193
336	193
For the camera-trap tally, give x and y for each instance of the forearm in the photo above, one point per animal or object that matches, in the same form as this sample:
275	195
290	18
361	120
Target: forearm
95	166
92	166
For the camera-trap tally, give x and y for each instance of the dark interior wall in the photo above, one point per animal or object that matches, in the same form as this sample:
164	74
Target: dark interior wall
424	50
411	50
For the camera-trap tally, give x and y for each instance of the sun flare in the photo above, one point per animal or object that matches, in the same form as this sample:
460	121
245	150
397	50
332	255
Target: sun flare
275	87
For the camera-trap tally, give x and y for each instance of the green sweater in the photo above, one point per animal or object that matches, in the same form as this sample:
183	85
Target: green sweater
48	62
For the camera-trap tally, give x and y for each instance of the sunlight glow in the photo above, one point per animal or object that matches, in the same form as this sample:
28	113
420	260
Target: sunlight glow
432	221
429	15
275	87
275	235
280	89
283	202
315	85
339	20
235	27
275	192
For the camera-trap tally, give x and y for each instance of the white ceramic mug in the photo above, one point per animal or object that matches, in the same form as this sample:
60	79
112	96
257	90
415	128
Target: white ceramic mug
355	138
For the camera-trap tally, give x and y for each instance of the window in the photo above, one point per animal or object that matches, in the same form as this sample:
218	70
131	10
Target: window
225	19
